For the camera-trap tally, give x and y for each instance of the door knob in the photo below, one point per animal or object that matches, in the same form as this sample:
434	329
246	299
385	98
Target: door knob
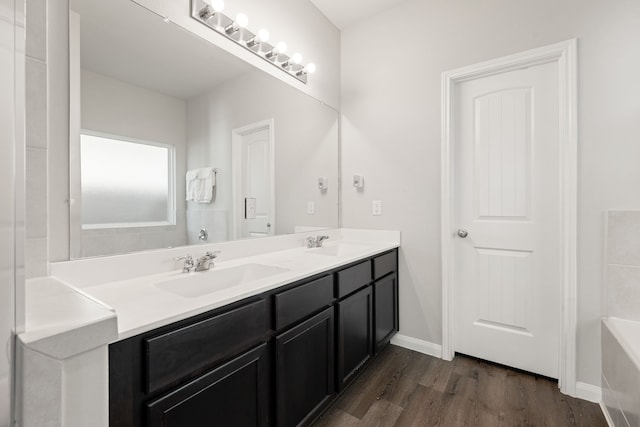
268	225
462	233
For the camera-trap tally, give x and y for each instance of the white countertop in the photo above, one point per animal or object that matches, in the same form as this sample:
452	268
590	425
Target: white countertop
81	303
142	306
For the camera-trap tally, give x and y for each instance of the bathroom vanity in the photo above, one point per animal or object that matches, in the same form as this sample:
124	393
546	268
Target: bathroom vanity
275	358
269	336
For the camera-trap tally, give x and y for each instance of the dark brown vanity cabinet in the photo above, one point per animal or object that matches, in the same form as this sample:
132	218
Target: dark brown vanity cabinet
385	295
304	351
234	394
355	320
275	359
305	370
195	371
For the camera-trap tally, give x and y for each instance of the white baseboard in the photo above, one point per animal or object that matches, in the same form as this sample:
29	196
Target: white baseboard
590	392
415	344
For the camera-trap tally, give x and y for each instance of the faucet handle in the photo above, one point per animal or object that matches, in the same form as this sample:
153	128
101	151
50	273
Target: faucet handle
212	254
188	262
311	242
320	239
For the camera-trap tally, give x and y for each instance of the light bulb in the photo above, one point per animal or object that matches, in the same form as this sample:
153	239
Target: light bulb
217	5
242	20
282	47
296	58
263	35
311	68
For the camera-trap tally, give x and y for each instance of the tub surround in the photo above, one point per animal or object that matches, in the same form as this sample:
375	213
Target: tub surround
621	325
621	371
622	282
86	304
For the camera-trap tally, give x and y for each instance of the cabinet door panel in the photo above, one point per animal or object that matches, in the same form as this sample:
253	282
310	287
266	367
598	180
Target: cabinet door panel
386	315
355	339
235	394
305	370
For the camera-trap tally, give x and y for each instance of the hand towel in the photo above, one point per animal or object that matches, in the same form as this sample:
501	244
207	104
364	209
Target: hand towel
199	184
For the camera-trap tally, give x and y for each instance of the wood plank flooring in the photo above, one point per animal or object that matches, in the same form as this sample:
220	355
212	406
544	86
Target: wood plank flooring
403	388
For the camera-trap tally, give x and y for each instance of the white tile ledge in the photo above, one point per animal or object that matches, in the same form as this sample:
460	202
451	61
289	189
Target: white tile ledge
62	322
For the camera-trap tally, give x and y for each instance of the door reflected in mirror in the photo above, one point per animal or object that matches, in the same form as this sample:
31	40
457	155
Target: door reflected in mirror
147	83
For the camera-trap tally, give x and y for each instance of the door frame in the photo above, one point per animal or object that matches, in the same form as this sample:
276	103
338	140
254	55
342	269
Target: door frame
236	166
565	55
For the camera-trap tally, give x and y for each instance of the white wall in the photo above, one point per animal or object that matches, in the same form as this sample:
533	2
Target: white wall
299	23
391	68
118	108
306	147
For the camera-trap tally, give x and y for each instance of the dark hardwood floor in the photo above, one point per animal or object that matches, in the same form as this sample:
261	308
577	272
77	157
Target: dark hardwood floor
403	388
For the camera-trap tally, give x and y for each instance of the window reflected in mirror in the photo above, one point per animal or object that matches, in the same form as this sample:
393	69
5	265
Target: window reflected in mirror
125	182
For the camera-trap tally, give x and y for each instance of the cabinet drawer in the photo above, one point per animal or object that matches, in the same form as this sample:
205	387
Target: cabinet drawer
184	352
353	278
296	303
385	264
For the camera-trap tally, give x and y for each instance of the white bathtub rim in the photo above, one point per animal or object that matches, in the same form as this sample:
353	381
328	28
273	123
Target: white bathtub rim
627	333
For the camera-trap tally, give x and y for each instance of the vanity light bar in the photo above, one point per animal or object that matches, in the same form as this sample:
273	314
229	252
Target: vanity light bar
209	12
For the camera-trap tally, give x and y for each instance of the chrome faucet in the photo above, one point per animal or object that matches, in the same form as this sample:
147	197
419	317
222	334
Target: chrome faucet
188	262
206	261
201	264
316	242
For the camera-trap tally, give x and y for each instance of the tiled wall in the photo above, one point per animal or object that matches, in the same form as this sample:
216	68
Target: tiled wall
215	221
36	139
109	241
622	289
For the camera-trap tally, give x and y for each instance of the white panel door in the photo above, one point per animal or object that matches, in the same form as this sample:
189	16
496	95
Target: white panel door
507	285
256	182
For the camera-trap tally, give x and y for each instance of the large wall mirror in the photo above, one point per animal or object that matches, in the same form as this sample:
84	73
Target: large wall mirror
175	142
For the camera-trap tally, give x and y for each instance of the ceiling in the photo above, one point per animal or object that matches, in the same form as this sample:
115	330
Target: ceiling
122	40
344	13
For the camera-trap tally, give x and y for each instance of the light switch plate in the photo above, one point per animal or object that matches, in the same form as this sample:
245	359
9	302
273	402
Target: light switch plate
376	207
311	208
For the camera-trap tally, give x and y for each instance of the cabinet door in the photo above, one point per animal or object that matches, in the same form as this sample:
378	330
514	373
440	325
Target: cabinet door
385	295
305	370
355	340
235	394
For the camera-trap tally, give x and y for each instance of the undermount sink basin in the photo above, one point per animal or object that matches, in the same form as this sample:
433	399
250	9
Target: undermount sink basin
340	249
196	284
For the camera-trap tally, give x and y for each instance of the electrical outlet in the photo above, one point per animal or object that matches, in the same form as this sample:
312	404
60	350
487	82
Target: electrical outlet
376	207
311	208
